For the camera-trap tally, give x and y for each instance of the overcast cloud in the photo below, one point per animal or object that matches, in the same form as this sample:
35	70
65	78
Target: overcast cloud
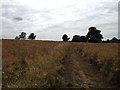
50	19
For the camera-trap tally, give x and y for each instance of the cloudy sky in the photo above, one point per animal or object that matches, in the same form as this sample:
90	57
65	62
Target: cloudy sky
50	19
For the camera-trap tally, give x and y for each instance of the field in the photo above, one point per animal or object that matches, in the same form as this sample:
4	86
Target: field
36	64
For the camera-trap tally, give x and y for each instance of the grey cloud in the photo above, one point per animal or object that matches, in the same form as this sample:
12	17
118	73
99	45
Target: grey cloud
18	18
52	23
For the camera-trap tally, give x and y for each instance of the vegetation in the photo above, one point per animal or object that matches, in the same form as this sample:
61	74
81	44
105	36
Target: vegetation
22	36
77	38
31	63
65	38
35	64
94	35
31	36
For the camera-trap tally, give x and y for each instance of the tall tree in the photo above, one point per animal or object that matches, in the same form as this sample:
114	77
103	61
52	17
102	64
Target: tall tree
32	36
94	35
65	37
22	36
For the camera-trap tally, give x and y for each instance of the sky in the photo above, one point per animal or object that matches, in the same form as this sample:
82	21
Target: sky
50	19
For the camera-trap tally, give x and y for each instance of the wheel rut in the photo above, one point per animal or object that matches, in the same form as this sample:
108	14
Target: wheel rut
79	73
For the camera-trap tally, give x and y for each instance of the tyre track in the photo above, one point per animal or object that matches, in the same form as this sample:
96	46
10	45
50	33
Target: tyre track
79	73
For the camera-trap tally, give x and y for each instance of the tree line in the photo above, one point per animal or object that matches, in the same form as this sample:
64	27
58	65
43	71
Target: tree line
22	36
94	35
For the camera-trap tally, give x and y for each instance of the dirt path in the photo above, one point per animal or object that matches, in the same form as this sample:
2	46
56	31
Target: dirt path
79	73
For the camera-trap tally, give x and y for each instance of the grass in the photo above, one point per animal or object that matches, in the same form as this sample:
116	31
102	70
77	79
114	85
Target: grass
105	57
31	63
28	64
